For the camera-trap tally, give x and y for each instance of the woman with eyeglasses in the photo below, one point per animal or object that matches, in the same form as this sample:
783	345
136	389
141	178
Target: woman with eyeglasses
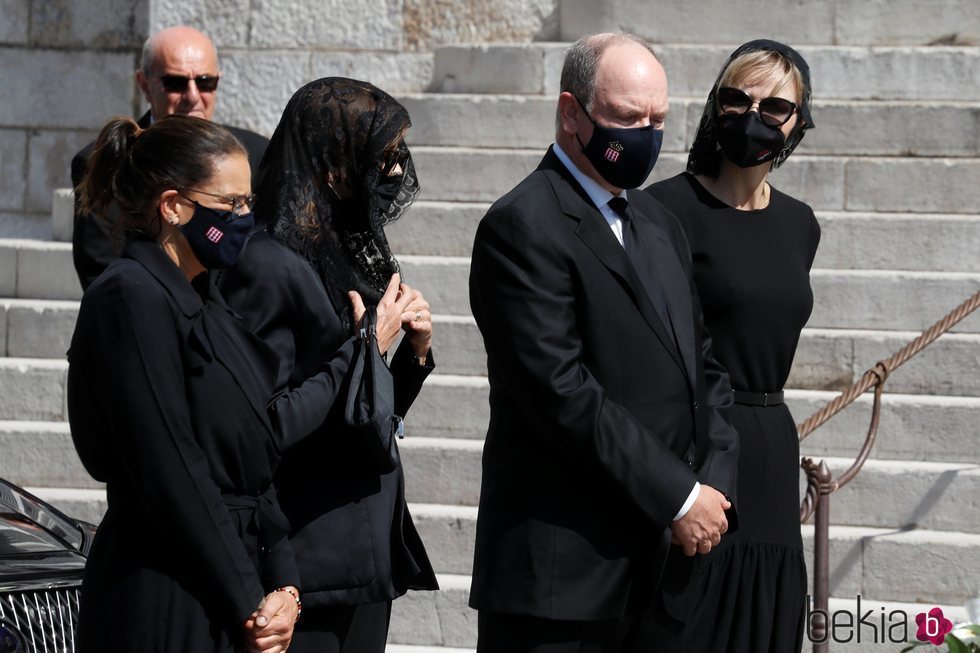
168	397
337	171
752	248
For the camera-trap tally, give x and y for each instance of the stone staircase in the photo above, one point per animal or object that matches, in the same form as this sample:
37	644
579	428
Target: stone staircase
892	171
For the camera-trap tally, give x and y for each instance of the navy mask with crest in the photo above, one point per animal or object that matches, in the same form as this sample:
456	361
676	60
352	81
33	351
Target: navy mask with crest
624	157
217	237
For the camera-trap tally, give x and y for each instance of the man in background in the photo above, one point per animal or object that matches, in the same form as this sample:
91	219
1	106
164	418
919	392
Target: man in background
178	75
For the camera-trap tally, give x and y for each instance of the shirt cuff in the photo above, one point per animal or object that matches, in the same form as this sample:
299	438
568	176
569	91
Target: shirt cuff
691	498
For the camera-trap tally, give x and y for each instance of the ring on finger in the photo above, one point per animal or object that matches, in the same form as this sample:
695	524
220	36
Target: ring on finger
418	315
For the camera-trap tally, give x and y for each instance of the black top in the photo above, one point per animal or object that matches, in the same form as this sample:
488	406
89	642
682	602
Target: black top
353	536
752	273
167	397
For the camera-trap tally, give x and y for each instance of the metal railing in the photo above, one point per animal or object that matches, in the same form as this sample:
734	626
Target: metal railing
821	482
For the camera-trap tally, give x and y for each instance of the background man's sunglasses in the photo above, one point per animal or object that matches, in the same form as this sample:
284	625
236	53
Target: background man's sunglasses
178	83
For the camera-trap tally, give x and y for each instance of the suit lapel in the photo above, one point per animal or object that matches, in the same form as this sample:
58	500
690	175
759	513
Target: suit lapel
664	269
599	238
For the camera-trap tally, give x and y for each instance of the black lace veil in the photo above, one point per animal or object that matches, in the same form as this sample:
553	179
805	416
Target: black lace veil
705	155
323	188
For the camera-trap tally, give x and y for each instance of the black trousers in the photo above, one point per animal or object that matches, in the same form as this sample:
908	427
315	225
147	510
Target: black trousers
506	633
348	629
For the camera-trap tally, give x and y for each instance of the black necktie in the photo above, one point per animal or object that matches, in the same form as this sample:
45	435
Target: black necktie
619	206
636	256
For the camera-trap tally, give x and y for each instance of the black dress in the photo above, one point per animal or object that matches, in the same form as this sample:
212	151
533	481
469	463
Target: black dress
167	396
354	538
752	274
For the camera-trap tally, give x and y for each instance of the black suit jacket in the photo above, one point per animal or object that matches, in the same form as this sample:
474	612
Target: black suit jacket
599	424
94	242
354	538
167	396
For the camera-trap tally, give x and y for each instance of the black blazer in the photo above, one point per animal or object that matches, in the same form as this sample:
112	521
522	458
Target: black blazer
354	538
94	242
599	424
167	400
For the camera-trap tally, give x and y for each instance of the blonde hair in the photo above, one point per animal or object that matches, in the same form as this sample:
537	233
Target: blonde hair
763	66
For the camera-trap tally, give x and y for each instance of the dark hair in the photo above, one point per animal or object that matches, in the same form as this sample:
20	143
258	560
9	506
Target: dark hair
578	73
132	166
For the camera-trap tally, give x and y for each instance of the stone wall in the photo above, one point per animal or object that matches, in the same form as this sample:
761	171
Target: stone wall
66	66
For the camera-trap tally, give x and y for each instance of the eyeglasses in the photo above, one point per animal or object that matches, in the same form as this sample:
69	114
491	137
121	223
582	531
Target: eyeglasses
178	83
774	111
240	204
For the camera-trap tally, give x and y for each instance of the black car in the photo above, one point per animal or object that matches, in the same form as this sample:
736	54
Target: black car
42	556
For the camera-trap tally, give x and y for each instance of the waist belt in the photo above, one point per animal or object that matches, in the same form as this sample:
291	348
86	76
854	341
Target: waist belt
758	398
267	519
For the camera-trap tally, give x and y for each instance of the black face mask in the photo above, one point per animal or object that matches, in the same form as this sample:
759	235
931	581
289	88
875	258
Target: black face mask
747	141
387	190
624	157
217	237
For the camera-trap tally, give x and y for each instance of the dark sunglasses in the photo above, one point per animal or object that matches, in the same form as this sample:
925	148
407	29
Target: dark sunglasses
238	204
397	156
178	83
774	111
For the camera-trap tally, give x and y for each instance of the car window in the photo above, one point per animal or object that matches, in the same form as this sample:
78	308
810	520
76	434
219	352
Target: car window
19	535
26	508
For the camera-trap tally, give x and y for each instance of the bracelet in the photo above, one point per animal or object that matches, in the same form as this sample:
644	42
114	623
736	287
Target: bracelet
295	595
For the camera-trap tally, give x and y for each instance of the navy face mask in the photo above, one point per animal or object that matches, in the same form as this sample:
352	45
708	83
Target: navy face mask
747	141
217	237
624	157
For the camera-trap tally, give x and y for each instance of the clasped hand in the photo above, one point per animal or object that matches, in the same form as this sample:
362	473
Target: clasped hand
401	307
270	628
702	527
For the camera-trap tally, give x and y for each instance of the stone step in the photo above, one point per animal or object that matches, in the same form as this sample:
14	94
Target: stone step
849	240
900	564
844	22
827	359
939	496
872	299
33	389
864	560
898	241
845	127
443	619
409	648
37	269
896	184
917	428
931	73
913	427
889	300
909	566
436	619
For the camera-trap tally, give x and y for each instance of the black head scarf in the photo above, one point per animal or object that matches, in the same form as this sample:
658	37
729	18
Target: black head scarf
705	156
323	186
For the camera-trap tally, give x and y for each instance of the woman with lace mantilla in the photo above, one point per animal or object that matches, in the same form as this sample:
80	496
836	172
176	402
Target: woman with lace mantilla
337	171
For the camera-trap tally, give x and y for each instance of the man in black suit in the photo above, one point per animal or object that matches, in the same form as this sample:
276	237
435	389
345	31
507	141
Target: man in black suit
607	438
179	75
